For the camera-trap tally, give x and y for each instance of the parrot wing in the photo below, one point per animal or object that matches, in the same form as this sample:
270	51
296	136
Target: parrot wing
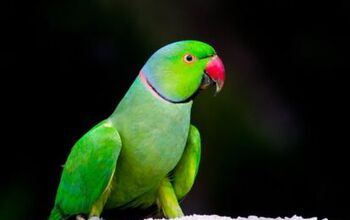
89	169
186	170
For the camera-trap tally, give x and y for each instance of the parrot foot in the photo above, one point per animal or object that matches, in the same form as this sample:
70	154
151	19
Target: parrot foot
95	218
80	217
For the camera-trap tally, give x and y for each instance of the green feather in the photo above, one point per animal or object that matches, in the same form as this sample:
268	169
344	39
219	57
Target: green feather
88	170
187	168
152	144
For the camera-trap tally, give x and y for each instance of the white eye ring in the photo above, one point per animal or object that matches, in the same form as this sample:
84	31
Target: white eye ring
189	58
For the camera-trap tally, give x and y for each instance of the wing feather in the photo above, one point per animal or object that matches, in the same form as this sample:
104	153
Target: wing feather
88	169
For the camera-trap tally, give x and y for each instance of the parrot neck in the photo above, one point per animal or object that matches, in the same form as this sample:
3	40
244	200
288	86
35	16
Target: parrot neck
156	93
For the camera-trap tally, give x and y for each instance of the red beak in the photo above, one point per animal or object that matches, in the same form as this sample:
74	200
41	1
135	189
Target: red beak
216	71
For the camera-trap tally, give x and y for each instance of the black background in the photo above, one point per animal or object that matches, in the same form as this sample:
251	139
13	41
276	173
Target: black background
274	140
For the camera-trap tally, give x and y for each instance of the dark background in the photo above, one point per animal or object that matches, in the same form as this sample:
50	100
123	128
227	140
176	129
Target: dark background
274	141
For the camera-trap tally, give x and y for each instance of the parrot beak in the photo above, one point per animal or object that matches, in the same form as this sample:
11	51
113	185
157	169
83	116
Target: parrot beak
214	73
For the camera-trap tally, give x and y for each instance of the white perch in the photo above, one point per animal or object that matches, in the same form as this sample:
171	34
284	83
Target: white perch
251	217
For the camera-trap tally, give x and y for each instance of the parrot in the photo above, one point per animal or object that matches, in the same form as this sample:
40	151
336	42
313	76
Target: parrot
146	152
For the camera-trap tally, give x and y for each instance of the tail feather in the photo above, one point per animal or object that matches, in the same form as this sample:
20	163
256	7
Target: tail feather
56	214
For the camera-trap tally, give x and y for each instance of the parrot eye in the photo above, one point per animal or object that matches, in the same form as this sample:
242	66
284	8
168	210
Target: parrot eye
188	58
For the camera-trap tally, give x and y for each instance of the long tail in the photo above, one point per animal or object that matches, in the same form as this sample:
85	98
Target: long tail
56	214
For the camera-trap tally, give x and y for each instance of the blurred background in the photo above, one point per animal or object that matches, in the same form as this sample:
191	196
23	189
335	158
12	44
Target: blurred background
273	141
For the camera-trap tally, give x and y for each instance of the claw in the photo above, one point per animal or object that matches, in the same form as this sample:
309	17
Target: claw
79	217
95	218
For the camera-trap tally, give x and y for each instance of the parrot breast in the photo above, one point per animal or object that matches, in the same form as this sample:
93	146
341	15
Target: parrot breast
153	133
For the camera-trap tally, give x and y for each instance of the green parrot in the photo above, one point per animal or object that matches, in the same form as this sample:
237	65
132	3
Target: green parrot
146	152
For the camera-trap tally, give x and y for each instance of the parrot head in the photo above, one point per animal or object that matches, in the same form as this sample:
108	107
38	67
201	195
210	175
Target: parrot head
177	71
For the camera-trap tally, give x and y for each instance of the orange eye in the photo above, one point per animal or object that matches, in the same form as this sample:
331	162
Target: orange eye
188	58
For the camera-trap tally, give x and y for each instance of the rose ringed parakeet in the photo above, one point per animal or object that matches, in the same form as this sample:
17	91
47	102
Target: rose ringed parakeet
146	152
